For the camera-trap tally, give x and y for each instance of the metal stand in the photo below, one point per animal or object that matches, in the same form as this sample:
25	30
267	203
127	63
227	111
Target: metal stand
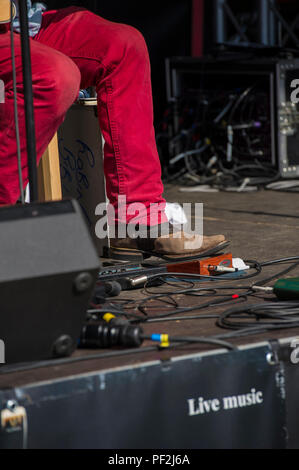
222	12
264	22
219	22
28	96
270	19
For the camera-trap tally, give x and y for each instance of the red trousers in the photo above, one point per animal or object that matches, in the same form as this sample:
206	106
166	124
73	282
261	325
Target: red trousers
77	49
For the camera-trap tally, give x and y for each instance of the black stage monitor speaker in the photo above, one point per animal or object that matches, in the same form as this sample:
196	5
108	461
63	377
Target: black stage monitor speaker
48	269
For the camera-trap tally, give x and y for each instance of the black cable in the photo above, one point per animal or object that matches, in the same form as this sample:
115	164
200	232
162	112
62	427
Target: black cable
175	284
142	307
202	291
275	276
279	260
253	264
14	80
4	370
71	360
254	330
28	96
281	312
199	290
95	311
258	312
179	310
205	126
197	339
187	317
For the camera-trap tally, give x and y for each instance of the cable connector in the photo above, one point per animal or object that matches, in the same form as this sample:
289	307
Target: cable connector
106	335
162	339
223	269
262	289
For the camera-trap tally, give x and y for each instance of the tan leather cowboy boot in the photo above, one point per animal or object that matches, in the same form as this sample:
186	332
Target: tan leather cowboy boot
174	245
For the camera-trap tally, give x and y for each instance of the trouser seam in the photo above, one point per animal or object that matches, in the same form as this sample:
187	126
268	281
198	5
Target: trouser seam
115	137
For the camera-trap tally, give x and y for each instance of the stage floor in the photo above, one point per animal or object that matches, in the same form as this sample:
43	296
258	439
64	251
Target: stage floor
261	226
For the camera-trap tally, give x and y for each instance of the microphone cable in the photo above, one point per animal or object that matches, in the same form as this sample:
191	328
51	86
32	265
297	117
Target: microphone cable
14	76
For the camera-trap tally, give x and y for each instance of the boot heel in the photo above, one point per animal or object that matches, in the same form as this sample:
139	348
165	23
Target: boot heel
124	254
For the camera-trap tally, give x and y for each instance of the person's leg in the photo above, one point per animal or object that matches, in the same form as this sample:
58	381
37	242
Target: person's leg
113	57
56	81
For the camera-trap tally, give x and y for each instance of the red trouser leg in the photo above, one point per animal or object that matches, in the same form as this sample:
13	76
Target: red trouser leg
56	81
114	58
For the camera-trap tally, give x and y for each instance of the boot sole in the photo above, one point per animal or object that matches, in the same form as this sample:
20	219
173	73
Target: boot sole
126	254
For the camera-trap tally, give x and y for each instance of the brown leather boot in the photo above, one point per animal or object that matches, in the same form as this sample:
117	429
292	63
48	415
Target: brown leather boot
173	246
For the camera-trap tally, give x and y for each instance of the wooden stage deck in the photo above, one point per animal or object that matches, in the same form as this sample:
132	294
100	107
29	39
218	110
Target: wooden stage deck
261	226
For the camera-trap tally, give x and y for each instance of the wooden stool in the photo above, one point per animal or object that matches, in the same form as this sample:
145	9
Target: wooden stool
48	174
